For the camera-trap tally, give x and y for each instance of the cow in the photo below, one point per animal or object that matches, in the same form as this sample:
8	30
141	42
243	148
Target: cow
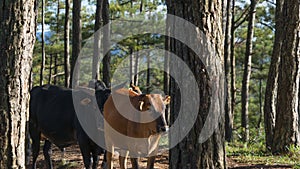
52	114
123	114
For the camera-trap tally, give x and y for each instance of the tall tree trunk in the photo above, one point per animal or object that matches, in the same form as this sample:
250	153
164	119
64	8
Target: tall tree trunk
227	50
131	64
260	106
286	131
97	41
55	69
136	68
247	71
18	24
167	70
190	152
57	41
232	61
43	44
76	41
67	43
148	72
106	43
272	82
50	69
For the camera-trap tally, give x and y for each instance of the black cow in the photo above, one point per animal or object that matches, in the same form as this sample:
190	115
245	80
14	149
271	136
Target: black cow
52	114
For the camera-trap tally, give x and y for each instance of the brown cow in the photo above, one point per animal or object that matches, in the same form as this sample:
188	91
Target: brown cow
133	123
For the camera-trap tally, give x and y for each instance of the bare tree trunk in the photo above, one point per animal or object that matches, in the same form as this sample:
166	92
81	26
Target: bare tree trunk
106	43
131	64
247	71
272	82
55	69
260	107
286	131
97	41
67	43
167	70
18	23
227	50
148	72
232	61
190	152
136	68
50	69
76	41
43	44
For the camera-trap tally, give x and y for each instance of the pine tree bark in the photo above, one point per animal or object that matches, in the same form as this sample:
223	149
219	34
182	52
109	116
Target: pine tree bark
67	43
272	82
232	61
106	43
97	41
286	131
76	41
43	44
190	153
227	50
18	23
247	71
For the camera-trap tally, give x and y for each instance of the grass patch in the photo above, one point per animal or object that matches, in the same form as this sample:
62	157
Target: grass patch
255	153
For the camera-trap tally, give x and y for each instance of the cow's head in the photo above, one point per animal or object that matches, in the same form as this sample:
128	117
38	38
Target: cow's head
101	97
156	104
135	88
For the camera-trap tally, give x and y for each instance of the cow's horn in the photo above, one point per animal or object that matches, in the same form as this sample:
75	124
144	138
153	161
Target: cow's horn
141	105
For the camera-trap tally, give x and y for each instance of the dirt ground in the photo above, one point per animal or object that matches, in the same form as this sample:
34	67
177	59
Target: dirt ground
73	160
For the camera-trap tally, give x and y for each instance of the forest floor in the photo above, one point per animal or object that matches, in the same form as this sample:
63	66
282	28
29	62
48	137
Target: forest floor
73	160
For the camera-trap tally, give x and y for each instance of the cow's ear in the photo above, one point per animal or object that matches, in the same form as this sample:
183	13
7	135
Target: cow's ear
85	101
167	100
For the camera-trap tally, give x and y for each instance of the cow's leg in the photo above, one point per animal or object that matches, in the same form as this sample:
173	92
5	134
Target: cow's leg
134	163
47	152
123	159
86	153
109	156
150	162
36	137
62	155
104	162
95	154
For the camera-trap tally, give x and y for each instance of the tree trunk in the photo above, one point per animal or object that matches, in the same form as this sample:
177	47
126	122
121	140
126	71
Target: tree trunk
50	69
67	43
43	44
227	50
272	82
76	41
148	73
191	152
55	69
18	23
136	68
97	41
232	61
166	73
247	71
106	43
131	64
286	131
